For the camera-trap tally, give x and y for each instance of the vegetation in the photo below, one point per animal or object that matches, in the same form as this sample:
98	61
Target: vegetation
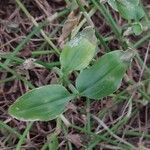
79	76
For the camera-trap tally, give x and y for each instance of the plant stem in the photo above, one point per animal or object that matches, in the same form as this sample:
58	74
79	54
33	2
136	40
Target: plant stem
22	139
92	11
110	21
7	79
22	44
108	17
66	122
86	15
141	41
13	131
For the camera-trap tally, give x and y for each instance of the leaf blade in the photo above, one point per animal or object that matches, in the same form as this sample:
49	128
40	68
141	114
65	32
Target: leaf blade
137	28
113	3
78	53
104	77
130	10
44	103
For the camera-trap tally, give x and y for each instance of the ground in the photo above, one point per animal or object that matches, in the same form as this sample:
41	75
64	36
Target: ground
119	121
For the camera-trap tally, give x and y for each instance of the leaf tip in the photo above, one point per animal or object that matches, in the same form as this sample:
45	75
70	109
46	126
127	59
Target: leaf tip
128	55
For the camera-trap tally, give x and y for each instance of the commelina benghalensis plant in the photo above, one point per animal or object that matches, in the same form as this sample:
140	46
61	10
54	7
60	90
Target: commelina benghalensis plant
95	81
132	11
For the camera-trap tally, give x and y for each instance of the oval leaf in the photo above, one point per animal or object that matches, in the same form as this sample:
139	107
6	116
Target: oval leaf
104	77
129	10
78	52
137	28
113	3
43	103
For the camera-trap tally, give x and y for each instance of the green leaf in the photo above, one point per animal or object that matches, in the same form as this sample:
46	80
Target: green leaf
78	52
113	3
129	10
137	28
104	77
43	103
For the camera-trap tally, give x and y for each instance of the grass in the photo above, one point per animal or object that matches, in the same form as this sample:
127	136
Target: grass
116	122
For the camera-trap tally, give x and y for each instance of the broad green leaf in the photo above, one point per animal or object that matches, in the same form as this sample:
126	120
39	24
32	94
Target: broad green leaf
137	28
104	77
129	10
43	103
78	52
113	3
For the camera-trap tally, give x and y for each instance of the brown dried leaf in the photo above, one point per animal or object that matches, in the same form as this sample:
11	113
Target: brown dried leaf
69	25
84	3
75	139
29	64
25	53
72	107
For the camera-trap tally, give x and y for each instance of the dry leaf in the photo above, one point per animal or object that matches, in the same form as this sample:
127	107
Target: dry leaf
69	25
84	3
72	107
75	139
29	64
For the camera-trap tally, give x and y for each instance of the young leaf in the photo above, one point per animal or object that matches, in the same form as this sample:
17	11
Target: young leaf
43	103
137	28
129	10
104	77
113	3
78	52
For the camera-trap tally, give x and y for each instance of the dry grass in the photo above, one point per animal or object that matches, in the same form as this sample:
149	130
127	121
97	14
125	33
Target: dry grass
123	118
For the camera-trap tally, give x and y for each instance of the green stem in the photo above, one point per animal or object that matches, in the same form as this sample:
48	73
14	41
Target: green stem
141	41
44	52
99	137
22	44
86	15
108	17
65	129
102	41
135	133
11	130
7	79
91	12
22	139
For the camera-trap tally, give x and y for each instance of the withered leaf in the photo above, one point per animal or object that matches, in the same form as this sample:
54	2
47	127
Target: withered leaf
71	22
75	139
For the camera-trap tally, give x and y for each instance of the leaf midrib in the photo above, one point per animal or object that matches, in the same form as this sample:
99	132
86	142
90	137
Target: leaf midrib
93	84
60	99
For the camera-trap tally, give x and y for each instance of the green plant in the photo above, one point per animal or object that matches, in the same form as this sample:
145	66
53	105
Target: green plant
100	79
130	10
